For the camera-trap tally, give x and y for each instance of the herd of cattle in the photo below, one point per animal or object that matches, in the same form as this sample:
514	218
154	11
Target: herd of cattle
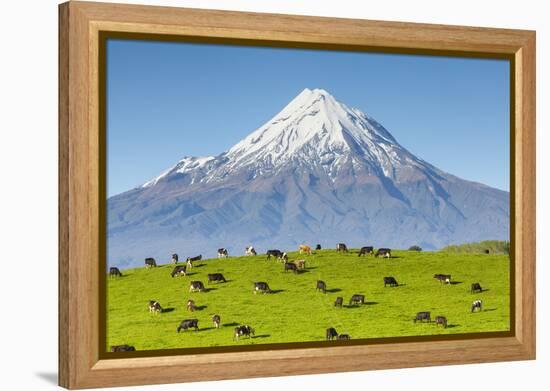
263	287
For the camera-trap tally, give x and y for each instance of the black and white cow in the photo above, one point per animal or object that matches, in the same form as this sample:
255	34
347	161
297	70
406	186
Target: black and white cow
476	287
443	278
154	306
391	281
196	286
216	319
441	320
321	286
261	287
338	302
477	305
422	316
191	305
243	330
383	252
357	299
122	348
277	254
114	272
188	324
216	277
179	270
175	258
150	262
366	250
331	334
250	251
341	247
222	253
343	337
190	260
318	247
291	266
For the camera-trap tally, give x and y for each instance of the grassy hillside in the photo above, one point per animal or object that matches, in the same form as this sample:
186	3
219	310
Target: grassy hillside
492	246
295	312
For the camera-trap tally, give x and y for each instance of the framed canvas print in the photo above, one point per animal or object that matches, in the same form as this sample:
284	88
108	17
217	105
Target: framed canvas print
299	194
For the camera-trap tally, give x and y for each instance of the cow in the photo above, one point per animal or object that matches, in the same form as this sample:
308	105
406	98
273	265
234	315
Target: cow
222	253
303	249
318	247
331	334
422	316
196	286
191	305
249	251
216	319
366	250
321	286
261	287
179	270
301	263
383	252
291	266
343	337
476	287
357	299
150	262
122	348
274	253
441	320
443	278
242	331
175	258
341	247
216	277
190	260
283	257
391	281
188	324
154	306
114	272
477	305
338	302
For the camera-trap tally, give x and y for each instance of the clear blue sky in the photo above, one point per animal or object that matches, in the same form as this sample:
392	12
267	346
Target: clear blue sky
170	100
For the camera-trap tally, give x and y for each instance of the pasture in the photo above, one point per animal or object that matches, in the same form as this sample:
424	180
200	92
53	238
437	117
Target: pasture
296	312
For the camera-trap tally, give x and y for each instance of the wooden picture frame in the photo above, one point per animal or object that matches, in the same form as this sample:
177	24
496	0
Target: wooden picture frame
81	363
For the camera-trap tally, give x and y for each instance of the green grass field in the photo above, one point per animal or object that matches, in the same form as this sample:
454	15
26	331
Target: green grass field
296	312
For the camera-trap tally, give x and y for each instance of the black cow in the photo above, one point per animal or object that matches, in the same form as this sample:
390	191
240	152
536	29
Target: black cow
196	286
179	271
242	331
343	337
477	305
341	247
321	286
122	348
217	320
274	253
422	316
441	320
261	287
194	259
175	258
391	281
222	253
443	278
150	262
154	306
357	299
188	324
366	250
318	247
216	277
291	266
331	334
383	252
114	272
338	302
476	287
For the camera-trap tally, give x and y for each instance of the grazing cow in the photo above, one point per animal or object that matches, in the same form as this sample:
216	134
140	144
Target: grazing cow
196	286
150	262
357	299
216	277
341	247
476	287
114	272
122	348
422	316
343	337
191	305
304	249
318	247
188	324
217	320
443	278
222	253
175	258
477	305
321	286
179	270
283	257
261	287
383	252
154	306
338	302
291	266
274	253
441	320
331	334
391	281
301	263
250	251
242	331
366	250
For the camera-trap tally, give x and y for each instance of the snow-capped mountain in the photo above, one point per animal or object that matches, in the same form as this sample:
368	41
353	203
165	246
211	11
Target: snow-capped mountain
317	172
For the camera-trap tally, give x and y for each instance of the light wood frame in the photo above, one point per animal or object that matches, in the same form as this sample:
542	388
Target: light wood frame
80	165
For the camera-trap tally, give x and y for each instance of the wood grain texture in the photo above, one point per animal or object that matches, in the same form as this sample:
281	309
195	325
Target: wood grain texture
80	365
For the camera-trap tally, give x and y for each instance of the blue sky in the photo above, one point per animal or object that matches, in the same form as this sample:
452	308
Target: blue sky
170	100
